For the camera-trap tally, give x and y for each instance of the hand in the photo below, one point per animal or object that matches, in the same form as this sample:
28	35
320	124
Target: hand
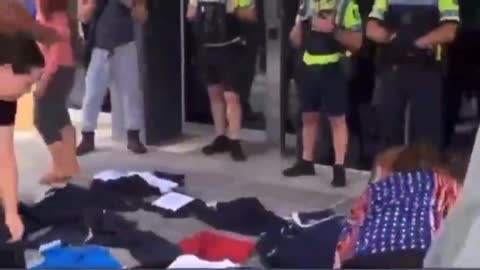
423	43
15	226
323	25
140	13
296	36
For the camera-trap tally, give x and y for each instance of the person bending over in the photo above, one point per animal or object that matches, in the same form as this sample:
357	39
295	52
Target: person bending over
20	67
51	113
393	223
220	33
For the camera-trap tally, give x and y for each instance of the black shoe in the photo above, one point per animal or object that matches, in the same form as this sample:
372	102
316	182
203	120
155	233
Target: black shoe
236	151
221	144
339	179
134	144
87	145
301	168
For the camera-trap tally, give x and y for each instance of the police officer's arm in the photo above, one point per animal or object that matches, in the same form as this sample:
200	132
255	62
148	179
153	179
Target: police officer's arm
446	32
296	33
192	10
139	10
86	9
14	18
245	10
376	31
349	32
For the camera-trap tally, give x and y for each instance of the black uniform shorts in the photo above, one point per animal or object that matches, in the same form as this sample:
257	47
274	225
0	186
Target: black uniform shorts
223	65
323	88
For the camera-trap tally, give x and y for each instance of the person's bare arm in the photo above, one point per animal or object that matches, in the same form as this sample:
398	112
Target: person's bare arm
8	172
248	14
442	35
192	10
378	33
296	35
351	40
139	10
86	10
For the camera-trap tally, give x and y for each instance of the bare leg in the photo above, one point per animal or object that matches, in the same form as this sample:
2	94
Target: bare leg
69	142
340	138
311	124
57	172
305	166
234	115
340	143
218	108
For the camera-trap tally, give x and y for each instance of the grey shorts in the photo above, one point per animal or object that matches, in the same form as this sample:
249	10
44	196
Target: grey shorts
51	112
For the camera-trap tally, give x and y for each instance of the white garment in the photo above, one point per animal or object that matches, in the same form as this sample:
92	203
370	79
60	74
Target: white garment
173	201
192	262
109	175
164	185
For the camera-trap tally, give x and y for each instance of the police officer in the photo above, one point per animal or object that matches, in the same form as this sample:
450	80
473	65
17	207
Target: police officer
410	34
220	32
330	28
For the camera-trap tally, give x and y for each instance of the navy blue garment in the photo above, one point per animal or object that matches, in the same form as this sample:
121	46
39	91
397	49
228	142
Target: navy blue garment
409	259
123	194
301	248
112	230
306	218
60	206
105	228
84	257
11	254
244	216
114	25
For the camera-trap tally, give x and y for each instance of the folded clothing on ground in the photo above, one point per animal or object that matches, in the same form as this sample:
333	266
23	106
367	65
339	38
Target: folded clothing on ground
192	262
83	257
214	246
295	247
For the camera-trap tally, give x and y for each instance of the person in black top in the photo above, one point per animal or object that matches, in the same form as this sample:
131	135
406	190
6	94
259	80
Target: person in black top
20	66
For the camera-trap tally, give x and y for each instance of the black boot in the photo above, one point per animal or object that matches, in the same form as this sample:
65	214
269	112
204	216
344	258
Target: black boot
236	151
339	178
134	144
221	144
87	145
301	168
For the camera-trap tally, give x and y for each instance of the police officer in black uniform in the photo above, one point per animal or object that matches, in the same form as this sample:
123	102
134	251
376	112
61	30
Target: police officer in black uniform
410	34
220	33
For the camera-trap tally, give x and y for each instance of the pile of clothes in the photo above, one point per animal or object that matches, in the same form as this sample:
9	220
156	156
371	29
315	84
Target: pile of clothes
391	225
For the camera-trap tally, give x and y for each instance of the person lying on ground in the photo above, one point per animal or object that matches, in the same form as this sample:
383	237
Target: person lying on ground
392	224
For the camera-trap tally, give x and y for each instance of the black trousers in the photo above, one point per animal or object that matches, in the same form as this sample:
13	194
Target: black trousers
421	88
